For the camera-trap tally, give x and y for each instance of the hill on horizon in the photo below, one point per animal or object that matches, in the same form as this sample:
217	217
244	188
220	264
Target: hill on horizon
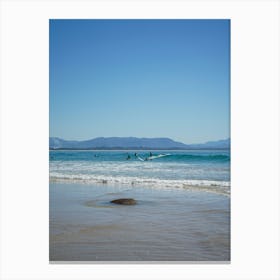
133	143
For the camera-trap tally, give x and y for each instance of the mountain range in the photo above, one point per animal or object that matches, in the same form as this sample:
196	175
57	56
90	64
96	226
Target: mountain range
111	143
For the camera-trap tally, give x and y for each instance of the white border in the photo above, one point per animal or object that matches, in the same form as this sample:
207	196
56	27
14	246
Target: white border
254	134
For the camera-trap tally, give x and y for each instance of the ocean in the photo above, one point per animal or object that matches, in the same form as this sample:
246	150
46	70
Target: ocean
182	212
207	170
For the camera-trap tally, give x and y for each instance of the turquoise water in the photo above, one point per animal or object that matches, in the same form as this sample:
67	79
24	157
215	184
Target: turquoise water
212	156
206	170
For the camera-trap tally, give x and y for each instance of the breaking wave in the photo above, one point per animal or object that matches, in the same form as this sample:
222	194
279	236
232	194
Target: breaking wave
219	187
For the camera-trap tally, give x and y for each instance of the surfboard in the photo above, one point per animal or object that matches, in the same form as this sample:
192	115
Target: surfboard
153	157
159	156
140	158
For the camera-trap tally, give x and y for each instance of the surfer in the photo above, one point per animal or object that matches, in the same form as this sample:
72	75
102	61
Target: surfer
151	154
128	157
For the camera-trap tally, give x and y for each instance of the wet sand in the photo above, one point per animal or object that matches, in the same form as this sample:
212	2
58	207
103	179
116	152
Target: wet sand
164	225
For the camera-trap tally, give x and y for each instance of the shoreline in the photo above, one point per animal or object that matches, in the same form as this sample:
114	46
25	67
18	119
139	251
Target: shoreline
197	186
166	225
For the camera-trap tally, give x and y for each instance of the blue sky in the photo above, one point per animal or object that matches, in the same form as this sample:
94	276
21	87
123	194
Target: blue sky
142	78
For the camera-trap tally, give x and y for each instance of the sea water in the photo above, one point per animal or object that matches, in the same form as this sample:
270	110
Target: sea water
182	211
206	170
166	224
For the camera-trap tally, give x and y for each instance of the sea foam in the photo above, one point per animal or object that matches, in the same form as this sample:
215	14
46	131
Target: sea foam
221	187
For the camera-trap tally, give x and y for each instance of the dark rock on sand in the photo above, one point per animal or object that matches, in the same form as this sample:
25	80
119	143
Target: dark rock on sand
124	201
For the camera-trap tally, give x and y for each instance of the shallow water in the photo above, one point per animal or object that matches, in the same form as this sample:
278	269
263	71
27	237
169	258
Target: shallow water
165	225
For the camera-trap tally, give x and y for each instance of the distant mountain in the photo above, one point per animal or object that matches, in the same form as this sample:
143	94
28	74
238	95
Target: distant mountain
117	143
133	143
220	144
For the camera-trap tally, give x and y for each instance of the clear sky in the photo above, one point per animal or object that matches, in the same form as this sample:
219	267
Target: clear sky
142	78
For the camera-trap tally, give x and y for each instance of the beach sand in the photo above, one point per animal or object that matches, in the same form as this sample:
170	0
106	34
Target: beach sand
165	224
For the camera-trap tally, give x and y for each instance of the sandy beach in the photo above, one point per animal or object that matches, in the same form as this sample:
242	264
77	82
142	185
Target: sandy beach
164	225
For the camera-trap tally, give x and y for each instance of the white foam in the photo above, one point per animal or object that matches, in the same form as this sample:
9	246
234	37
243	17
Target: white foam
148	174
221	187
